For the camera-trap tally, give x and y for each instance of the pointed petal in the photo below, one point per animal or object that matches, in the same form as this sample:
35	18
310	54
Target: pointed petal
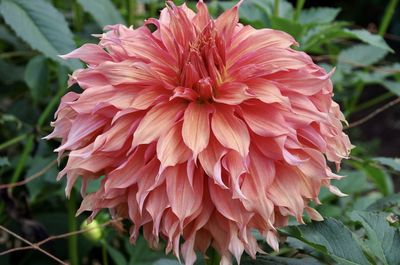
170	147
157	120
230	131
196	127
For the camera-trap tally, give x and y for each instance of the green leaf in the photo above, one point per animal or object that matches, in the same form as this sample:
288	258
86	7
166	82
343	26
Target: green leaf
40	25
274	260
36	77
332	238
383	240
389	161
318	15
388	202
10	73
360	55
103	12
116	256
4	161
369	38
381	179
392	86
293	28
166	262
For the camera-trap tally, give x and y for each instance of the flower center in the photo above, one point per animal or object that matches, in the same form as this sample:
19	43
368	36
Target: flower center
203	66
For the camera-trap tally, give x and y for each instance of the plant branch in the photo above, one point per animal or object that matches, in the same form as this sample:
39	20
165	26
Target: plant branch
32	246
29	179
373	114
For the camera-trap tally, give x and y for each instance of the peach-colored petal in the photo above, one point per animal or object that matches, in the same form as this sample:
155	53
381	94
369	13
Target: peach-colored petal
200	131
196	127
230	131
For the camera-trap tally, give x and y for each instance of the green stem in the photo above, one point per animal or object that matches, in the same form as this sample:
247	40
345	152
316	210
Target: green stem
13	141
353	102
77	16
104	252
299	7
22	160
72	226
387	17
373	101
276	8
214	258
130	9
45	114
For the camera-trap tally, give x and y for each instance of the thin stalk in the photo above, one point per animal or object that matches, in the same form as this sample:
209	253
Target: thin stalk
104	252
276	8
130	10
373	101
387	17
72	226
22	160
77	16
299	7
13	141
353	102
45	114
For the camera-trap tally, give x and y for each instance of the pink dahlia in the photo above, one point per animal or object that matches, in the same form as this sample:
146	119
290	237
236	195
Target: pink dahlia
201	131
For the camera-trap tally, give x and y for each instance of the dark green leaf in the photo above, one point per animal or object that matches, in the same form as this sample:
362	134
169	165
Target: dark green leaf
10	73
103	12
383	240
293	28
332	238
318	15
36	77
116	256
40	25
381	179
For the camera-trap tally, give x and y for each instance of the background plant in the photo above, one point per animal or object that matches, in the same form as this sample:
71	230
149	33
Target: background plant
362	228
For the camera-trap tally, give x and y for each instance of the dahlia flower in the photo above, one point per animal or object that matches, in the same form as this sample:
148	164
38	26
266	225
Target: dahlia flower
201	131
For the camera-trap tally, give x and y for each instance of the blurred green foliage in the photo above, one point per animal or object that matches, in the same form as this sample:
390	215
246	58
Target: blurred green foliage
362	228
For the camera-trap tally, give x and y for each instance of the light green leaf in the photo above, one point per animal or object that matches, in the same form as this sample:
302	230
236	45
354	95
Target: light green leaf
389	161
4	161
383	240
274	260
369	38
40	25
36	77
389	202
332	238
103	12
318	15
360	55
166	262
392	86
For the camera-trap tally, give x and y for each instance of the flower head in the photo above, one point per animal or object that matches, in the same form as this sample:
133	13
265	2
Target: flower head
201	131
